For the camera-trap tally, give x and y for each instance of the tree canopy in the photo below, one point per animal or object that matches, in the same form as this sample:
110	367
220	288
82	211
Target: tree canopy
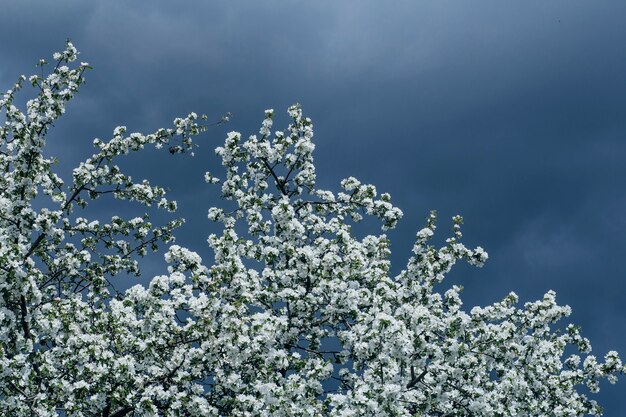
295	315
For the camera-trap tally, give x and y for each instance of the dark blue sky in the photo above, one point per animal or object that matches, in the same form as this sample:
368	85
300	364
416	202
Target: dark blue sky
512	114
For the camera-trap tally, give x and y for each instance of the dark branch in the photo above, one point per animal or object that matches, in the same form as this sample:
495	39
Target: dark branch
416	379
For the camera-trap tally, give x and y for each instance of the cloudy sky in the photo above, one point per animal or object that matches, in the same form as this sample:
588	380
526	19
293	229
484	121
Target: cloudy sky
512	114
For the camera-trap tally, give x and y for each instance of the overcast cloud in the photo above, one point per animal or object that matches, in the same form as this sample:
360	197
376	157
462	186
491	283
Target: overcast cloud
512	114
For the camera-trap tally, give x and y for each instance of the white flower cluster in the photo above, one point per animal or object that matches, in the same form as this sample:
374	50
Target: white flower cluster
295	316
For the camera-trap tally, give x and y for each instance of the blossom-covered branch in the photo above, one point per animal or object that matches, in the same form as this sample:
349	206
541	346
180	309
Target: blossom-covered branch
294	315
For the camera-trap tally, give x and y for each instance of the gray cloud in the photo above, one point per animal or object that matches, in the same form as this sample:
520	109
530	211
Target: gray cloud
513	115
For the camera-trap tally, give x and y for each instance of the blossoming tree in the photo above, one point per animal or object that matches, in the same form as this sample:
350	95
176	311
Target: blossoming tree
295	316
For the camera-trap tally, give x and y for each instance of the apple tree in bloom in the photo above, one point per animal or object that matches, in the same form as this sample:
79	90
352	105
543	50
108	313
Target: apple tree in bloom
291	315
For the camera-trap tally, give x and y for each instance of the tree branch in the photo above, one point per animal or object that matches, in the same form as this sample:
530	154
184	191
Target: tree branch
279	183
119	413
416	379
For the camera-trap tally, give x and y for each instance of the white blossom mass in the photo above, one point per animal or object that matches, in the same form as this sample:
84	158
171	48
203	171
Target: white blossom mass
296	315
